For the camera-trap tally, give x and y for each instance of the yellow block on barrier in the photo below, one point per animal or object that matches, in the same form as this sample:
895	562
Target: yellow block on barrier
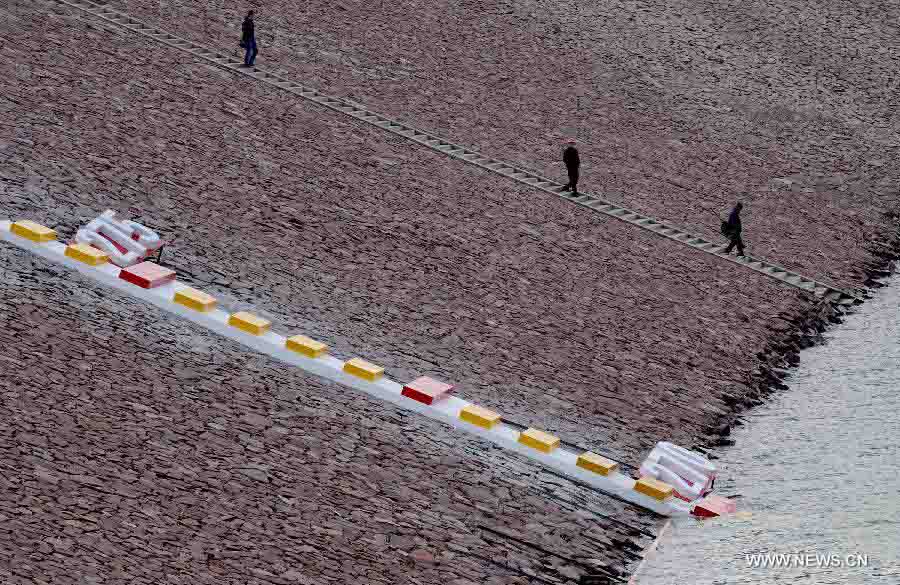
308	347
249	323
654	488
196	300
33	231
87	254
539	440
479	416
362	369
597	463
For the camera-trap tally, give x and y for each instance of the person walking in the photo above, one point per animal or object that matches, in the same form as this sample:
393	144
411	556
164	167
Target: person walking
248	40
573	163
732	230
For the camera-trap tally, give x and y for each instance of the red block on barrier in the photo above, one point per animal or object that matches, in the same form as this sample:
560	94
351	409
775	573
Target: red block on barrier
426	390
147	275
712	506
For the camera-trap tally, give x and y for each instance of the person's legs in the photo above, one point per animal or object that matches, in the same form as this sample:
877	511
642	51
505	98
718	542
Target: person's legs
247	50
573	180
740	245
731	244
254	53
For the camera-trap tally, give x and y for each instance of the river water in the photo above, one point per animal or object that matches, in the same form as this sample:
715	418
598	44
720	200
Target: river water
817	471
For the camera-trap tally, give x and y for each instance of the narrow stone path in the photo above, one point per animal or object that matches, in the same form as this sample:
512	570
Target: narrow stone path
821	290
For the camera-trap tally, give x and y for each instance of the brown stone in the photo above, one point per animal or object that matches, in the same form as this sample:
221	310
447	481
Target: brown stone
422	556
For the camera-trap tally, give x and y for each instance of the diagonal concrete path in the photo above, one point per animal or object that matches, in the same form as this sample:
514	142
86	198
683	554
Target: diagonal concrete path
820	289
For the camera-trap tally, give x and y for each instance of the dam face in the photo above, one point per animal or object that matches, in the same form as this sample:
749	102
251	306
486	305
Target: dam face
386	181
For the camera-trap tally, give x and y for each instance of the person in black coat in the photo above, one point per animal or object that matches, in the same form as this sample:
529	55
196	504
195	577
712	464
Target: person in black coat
248	40
732	229
572	162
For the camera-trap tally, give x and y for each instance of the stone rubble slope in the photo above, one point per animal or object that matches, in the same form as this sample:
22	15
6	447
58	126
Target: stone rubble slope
680	108
574	323
140	448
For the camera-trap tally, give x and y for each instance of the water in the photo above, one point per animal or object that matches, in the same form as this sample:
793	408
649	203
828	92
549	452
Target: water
817	469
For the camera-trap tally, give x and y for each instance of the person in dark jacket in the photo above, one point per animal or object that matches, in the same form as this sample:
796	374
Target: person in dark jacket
572	162
733	229
248	40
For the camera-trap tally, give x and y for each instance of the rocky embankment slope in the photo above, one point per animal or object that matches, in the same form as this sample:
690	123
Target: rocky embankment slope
138	448
681	108
567	320
609	335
